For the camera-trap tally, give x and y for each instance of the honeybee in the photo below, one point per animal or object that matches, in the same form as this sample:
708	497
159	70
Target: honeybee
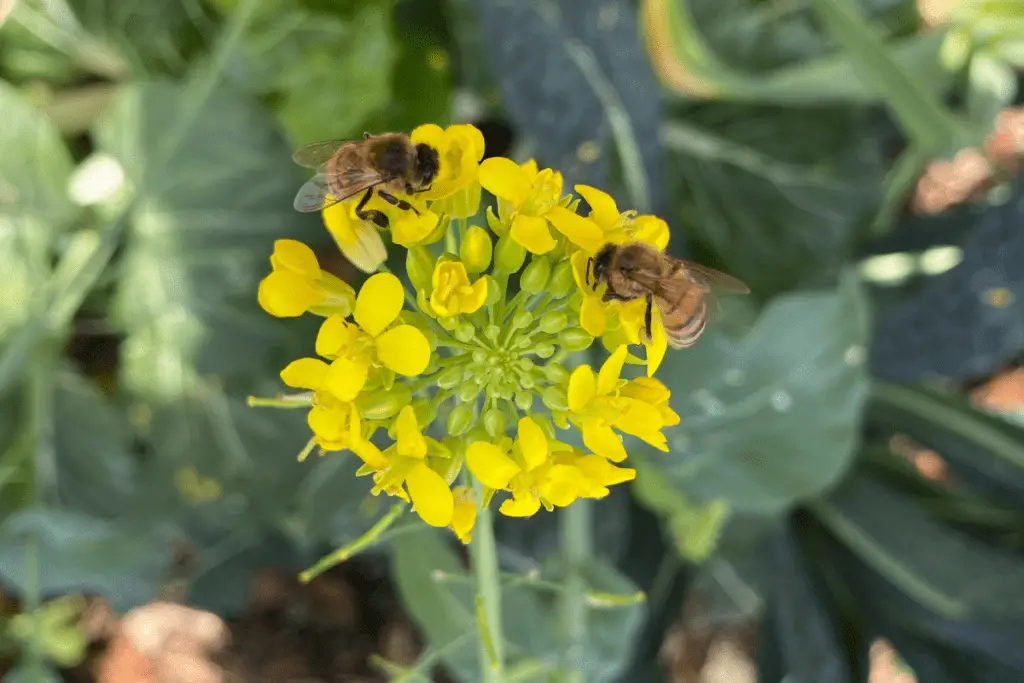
680	289
389	163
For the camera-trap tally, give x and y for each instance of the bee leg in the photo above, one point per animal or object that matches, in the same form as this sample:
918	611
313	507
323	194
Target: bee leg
586	274
648	314
370	214
400	203
609	295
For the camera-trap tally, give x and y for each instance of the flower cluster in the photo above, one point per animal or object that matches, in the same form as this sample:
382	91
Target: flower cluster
479	350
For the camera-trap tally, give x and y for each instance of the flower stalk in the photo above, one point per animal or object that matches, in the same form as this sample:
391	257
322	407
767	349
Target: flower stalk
484	556
576	542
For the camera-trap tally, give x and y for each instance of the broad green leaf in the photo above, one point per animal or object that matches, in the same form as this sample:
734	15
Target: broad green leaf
213	187
946	572
67	552
775	194
327	73
575	80
934	129
771	419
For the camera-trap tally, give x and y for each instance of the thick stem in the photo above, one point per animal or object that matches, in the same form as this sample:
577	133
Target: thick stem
484	555
576	551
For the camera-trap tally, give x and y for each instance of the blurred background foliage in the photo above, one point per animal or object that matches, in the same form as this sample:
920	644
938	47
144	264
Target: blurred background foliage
853	160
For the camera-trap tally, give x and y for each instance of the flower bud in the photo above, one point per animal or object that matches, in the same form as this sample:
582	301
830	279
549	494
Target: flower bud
495	291
509	255
494	422
522	320
467	391
464	332
562	281
555	373
526	380
553	322
554	398
419	266
491	332
475	250
535	277
524	400
544	349
461	419
426	411
451	377
575	339
380	405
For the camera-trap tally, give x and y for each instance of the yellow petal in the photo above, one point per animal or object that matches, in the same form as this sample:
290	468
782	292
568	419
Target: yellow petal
463	518
431	498
592	315
532	232
305	373
490	465
428	133
340	224
580	264
379	302
561	485
295	256
603	472
657	346
411	229
522	504
582	388
335	335
346	378
409	442
404	349
608	377
504	178
532	443
286	294
330	424
473	136
472	302
365	250
652	230
581	231
599	437
602	206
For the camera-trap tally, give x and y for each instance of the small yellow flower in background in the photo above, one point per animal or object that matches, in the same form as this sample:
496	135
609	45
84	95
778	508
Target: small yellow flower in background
358	240
452	293
371	342
532	202
297	285
620	228
455	190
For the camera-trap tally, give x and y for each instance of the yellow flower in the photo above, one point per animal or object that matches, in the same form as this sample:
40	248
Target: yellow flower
531	203
464	516
452	293
403	467
371	342
334	422
455	191
620	228
359	240
296	285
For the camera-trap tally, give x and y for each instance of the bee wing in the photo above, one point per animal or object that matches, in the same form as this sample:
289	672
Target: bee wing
316	194
316	154
712	279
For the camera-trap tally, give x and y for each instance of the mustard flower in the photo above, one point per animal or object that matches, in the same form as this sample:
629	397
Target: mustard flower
452	293
455	190
531	204
297	285
627	226
359	240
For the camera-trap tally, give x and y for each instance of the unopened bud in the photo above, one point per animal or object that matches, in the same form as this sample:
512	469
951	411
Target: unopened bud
419	265
494	423
451	377
522	320
553	322
467	391
555	373
509	255
461	419
475	250
524	400
554	399
562	281
380	405
575	339
535	277
544	349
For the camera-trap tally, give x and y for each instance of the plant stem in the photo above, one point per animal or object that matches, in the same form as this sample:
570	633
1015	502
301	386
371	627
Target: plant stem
484	555
576	550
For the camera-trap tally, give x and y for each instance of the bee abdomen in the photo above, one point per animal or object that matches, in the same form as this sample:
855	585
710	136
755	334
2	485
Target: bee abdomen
683	332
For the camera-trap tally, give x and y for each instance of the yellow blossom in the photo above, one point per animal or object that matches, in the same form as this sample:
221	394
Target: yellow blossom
297	284
620	228
359	240
403	467
531	203
371	342
332	420
452	293
455	190
464	516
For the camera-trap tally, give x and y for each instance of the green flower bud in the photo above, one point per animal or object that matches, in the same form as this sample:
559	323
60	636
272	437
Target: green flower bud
554	398
495	291
575	339
419	265
506	391
522	319
467	391
562	281
525	364
553	322
465	332
448	324
461	419
526	380
426	411
492	332
524	400
475	250
534	279
380	405
522	344
451	377
509	255
555	373
494	423
544	349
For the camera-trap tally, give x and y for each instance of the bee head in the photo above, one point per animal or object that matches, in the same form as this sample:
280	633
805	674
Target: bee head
427	163
602	261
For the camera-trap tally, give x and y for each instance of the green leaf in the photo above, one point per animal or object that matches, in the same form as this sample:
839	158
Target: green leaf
790	185
65	552
771	419
213	187
326	73
946	572
933	128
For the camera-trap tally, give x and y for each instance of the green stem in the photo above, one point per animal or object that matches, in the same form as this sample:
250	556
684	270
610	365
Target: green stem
451	240
576	551
484	554
371	537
